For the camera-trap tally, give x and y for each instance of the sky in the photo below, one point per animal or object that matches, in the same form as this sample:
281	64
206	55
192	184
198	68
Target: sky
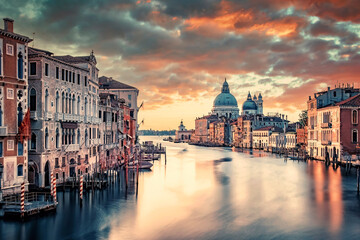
178	52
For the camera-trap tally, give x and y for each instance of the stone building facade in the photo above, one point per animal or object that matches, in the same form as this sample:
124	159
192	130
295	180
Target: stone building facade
325	125
13	108
63	100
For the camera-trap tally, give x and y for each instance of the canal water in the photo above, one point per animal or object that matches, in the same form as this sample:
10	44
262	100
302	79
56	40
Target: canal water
209	193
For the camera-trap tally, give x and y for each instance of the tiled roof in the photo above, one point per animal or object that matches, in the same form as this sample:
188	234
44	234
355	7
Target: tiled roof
352	101
109	83
37	51
15	36
71	59
264	128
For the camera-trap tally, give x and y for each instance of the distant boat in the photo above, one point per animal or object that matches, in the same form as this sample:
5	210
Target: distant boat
170	139
142	165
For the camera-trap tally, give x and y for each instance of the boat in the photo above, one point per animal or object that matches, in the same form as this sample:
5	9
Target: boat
142	164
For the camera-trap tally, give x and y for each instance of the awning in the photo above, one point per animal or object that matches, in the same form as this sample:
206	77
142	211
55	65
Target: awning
71	125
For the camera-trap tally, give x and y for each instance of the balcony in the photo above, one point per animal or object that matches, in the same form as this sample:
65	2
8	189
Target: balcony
326	125
325	142
3	131
95	141
58	116
48	115
71	148
95	120
33	115
111	145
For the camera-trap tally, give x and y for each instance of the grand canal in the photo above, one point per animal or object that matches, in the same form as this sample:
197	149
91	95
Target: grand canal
209	193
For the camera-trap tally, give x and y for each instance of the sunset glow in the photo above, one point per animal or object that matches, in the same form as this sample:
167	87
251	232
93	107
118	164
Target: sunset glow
179	52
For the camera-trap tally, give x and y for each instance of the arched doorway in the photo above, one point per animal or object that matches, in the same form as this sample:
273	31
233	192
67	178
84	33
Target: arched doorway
33	173
72	167
47	174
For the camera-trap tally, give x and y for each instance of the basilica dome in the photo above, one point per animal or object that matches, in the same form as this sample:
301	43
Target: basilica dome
225	103
225	98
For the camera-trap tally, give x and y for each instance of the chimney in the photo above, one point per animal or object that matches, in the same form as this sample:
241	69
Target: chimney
328	88
8	25
309	97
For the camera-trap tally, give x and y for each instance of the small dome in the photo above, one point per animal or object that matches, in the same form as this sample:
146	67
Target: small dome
249	104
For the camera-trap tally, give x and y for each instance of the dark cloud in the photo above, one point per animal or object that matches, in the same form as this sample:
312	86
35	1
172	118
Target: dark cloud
177	50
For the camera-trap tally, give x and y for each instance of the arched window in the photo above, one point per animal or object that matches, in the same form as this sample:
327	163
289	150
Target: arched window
57	102
66	103
57	138
20	170
86	102
73	104
20	66
78	136
32	99
94	108
20	114
63	102
46	100
86	137
73	136
78	105
354	117
354	136
33	141
63	137
46	138
20	149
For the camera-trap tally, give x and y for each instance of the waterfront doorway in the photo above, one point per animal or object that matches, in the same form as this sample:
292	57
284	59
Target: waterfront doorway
47	174
33	173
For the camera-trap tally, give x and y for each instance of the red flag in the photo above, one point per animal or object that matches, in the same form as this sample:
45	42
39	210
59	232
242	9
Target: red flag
25	128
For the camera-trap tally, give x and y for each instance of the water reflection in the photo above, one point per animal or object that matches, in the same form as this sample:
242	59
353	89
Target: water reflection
209	193
328	194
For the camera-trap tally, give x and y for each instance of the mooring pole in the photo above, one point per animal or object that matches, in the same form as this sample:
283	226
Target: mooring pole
358	178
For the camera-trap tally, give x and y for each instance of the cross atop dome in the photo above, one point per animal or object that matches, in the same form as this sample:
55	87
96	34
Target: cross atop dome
225	87
249	96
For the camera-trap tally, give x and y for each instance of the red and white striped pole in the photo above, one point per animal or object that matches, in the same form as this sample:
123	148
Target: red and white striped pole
22	199
54	188
52	184
81	187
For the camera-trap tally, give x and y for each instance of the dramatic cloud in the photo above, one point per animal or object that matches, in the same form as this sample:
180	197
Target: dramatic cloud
178	52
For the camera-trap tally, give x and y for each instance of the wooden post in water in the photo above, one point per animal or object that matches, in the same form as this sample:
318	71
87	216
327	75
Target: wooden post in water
81	189
358	178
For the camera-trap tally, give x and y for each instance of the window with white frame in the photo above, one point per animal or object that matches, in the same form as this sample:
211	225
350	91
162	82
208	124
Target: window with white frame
10	145
355	136
354	117
46	69
10	49
10	93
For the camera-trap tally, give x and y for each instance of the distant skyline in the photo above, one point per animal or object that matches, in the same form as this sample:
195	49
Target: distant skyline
177	53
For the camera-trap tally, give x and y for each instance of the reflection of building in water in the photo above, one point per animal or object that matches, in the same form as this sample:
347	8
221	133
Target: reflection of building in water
327	194
182	134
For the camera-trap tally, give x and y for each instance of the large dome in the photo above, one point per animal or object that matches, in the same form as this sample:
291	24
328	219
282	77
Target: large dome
249	104
225	99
